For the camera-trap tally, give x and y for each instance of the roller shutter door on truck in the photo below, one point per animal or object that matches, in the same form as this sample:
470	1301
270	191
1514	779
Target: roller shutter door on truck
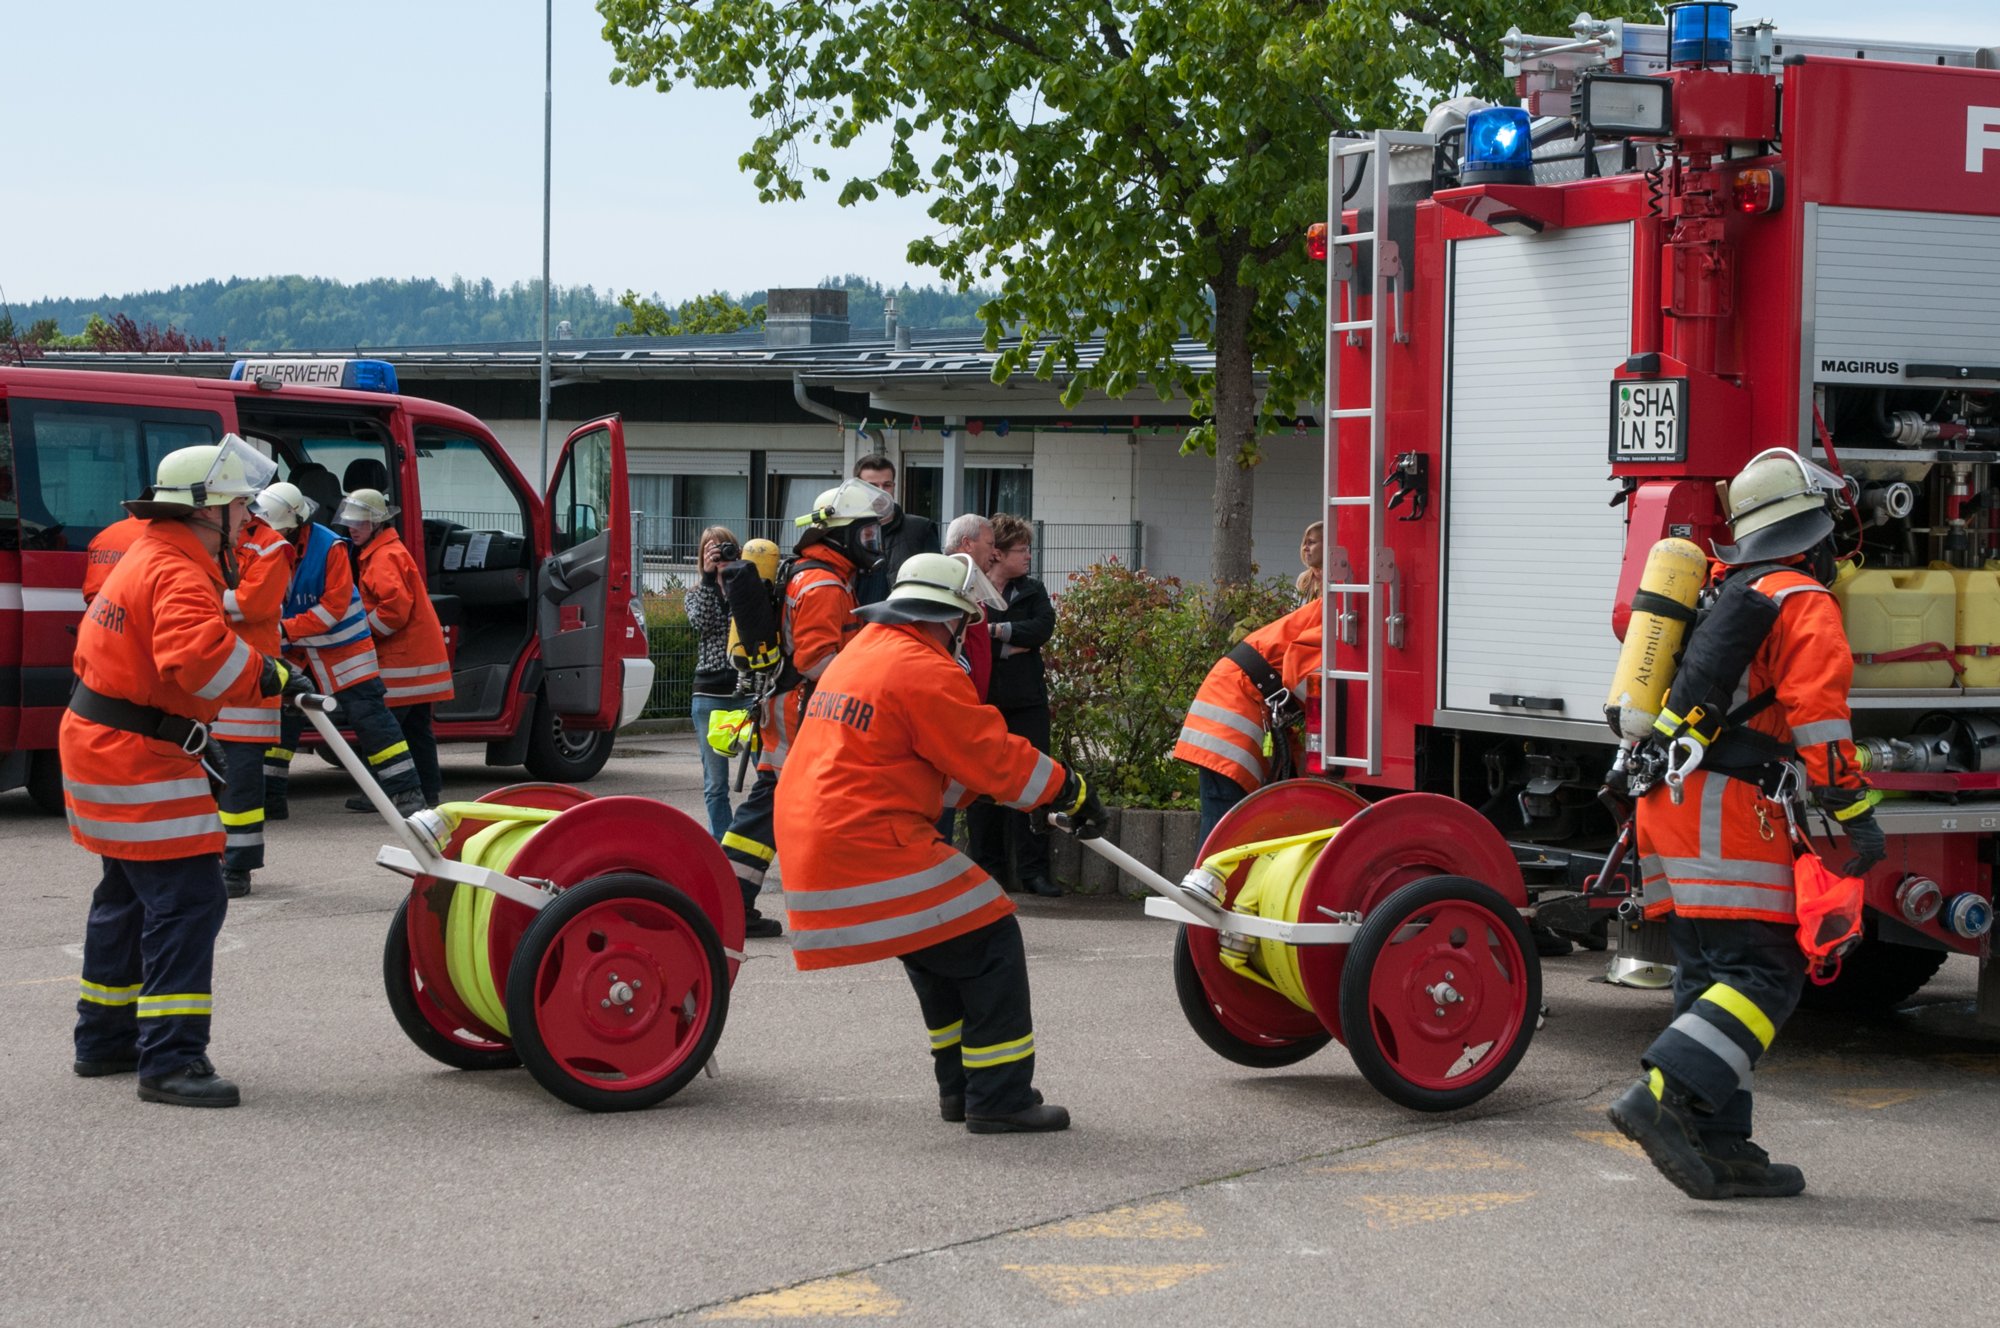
1532	551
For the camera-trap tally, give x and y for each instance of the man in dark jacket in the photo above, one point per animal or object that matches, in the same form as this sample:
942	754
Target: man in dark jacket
902	534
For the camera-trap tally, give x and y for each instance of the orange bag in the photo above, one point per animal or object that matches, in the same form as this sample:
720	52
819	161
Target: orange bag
1829	915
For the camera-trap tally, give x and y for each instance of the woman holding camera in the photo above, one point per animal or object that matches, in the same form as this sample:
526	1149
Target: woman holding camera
714	676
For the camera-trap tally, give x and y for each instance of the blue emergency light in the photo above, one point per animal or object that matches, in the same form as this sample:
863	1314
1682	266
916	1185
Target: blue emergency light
1499	148
1699	34
354	375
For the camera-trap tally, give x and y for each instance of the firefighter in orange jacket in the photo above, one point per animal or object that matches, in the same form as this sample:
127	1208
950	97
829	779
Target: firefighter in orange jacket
253	605
893	721
409	639
326	624
1246	705
842	538
1714	848
156	662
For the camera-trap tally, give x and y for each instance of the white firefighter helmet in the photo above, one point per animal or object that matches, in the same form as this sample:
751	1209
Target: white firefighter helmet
364	505
205	475
1779	505
281	506
935	587
847	502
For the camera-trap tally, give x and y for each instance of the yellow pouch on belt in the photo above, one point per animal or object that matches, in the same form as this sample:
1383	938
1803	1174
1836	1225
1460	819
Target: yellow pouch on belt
731	731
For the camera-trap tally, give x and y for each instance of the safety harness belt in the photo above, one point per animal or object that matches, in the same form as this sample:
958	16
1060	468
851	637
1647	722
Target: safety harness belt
190	735
1281	708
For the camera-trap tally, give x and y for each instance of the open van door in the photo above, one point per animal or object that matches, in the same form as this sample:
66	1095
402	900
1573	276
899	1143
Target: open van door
585	585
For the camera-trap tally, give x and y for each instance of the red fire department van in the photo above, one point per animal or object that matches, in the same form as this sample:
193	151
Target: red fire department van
548	642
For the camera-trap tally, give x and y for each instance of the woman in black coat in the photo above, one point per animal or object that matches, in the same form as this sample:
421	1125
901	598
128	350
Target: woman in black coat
1020	691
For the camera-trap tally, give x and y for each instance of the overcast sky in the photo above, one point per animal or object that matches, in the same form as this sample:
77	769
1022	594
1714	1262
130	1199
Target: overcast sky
150	144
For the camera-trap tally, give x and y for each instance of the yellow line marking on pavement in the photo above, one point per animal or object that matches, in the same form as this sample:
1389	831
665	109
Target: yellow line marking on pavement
1076	1283
39	982
1166	1220
1611	1139
1431	1155
828	1298
1875	1099
1388	1212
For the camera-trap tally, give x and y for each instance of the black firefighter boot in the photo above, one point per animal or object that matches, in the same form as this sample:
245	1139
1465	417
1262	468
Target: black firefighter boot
236	883
1659	1118
1038	1118
1742	1170
195	1084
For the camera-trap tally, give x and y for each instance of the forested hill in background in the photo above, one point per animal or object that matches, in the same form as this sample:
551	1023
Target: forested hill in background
290	313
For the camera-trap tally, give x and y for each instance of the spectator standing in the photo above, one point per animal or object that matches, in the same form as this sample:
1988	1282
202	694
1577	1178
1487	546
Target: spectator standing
902	533
715	679
1312	552
1020	690
971	535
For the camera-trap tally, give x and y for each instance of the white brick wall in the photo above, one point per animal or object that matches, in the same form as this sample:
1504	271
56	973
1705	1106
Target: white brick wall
1175	498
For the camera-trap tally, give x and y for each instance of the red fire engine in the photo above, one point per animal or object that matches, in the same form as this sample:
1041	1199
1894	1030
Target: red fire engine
535	590
1552	329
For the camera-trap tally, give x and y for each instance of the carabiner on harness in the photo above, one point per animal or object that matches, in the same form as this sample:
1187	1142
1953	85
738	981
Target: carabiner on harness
1683	759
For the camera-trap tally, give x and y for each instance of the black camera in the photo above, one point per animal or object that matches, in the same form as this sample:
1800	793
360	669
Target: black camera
727	551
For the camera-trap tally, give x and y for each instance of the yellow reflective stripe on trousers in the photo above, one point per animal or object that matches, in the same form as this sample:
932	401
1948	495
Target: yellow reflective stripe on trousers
946	1036
1000	1053
388	752
168	1004
1744	1009
99	994
761	852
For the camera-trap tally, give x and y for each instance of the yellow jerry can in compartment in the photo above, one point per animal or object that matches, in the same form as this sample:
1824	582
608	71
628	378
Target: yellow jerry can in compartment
1890	610
1978	621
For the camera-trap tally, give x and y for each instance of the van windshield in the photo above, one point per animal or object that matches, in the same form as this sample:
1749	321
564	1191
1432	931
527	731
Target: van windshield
75	463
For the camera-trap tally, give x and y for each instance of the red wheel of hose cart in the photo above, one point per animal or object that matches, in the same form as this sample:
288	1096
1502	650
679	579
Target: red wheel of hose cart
617	995
1440	993
431	1014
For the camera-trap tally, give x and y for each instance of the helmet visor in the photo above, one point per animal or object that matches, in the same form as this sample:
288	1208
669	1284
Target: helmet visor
238	471
280	512
351	513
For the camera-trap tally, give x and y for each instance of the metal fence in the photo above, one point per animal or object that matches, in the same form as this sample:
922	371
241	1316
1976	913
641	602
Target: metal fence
668	556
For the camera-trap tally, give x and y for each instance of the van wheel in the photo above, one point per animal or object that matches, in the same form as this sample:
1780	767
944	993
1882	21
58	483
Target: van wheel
45	782
561	756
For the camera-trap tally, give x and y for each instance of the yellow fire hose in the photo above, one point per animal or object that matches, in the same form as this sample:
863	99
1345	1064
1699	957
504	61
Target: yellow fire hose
1276	882
467	959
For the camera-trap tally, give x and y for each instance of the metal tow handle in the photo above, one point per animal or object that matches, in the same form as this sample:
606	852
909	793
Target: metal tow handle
316	708
1193	901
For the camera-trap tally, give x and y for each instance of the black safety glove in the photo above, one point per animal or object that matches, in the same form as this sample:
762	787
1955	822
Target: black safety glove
272	680
1076	801
1865	837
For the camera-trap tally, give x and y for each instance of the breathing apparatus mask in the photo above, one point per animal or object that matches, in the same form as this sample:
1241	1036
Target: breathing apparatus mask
849	517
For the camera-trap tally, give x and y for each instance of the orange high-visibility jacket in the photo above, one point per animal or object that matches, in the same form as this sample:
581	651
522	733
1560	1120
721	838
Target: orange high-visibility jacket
105	551
409	641
818	621
154	636
333	632
1724	852
1224	730
894	718
263	569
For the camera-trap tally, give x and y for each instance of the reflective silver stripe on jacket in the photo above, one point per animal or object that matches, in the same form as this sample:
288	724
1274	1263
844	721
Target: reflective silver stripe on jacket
417	671
376	625
1229	719
232	668
1822	730
131	795
230	607
908	924
1027	799
875	892
143	832
1251	763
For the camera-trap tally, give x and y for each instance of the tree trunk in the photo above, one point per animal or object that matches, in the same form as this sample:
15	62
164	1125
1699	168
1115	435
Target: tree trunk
1230	554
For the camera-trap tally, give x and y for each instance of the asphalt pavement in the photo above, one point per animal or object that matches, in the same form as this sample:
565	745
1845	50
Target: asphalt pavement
362	1183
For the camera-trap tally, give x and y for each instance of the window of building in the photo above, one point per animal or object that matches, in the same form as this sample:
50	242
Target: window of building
989	487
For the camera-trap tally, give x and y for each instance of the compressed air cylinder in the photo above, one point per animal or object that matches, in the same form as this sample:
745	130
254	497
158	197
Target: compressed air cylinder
750	606
1662	610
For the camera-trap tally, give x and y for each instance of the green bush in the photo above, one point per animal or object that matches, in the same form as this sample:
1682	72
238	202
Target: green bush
1129	652
672	643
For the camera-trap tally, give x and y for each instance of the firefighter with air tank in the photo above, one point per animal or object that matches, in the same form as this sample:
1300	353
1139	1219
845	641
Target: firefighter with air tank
1760	694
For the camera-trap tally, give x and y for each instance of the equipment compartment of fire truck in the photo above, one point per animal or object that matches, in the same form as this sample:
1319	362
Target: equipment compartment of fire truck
535	590
1557	326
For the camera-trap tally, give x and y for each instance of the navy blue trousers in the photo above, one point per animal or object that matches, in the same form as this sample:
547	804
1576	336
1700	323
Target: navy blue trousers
378	739
973	990
1218	793
241	803
148	956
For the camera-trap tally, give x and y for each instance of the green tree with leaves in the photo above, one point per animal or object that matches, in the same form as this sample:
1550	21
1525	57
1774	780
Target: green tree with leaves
1130	170
703	315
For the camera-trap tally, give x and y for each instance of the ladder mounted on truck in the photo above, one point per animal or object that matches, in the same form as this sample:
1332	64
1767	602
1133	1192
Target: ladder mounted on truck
1362	265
